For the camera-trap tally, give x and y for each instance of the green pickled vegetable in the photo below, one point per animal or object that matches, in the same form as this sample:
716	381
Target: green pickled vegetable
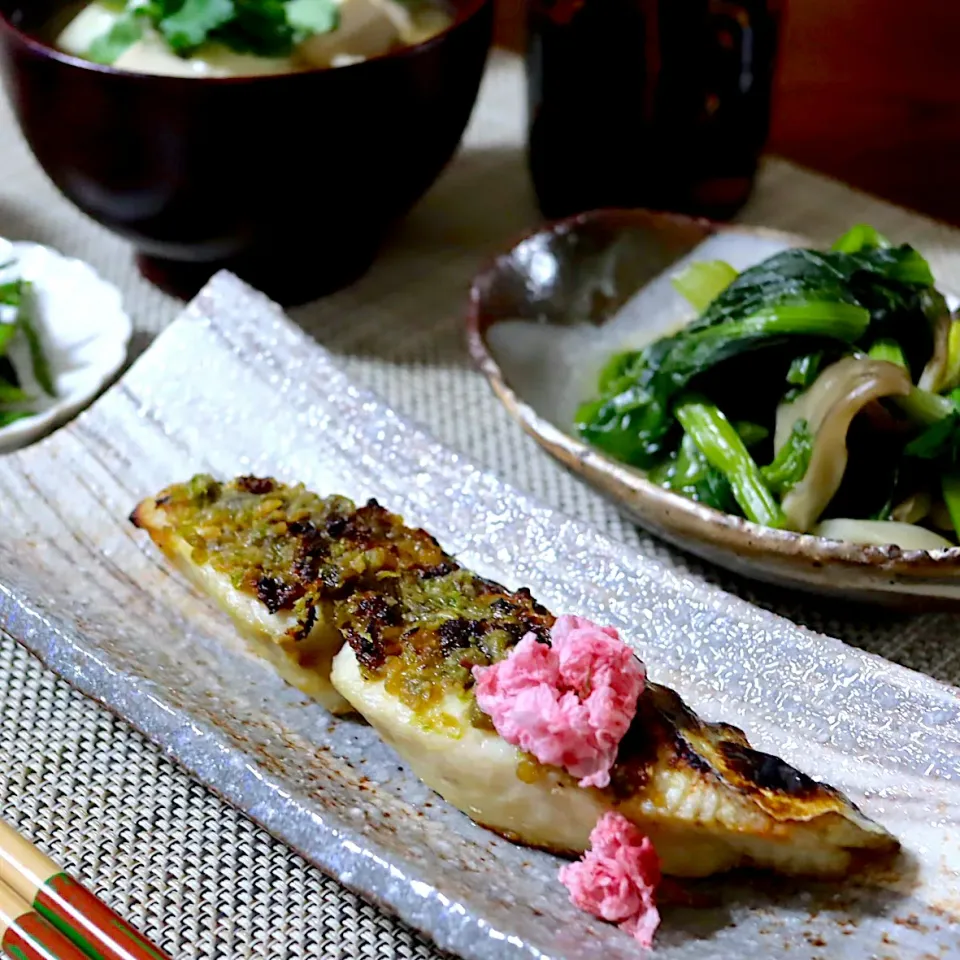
9	393
951	373
7	332
920	405
12	416
18	328
940	440
887	281
38	359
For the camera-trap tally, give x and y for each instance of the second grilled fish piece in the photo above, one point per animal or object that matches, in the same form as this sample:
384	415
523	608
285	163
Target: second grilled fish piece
706	799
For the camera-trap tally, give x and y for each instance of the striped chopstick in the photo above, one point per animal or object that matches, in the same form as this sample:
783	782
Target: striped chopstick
88	926
25	935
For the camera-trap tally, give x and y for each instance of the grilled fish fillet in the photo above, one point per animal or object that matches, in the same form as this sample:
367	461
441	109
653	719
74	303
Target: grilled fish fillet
366	613
275	558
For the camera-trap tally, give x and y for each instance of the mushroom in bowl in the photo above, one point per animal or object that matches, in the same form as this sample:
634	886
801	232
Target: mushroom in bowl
279	139
783	411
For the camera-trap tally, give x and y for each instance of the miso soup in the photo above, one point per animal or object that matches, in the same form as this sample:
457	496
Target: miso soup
180	38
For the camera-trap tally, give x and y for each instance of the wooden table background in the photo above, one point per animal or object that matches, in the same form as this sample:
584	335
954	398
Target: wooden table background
868	91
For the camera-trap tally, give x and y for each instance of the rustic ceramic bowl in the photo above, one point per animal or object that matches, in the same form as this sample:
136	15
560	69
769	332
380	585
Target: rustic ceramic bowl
289	181
545	315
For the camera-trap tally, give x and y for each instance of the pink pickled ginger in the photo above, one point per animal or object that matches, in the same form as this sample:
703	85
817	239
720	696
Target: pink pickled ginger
616	879
568	704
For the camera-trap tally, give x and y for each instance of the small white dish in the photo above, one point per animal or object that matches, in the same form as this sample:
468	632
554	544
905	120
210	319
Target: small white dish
84	329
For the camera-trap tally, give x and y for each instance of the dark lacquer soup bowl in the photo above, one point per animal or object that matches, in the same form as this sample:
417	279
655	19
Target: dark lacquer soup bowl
291	181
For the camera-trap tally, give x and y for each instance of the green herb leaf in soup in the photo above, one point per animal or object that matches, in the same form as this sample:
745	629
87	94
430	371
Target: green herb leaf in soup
191	25
227	38
119	38
311	17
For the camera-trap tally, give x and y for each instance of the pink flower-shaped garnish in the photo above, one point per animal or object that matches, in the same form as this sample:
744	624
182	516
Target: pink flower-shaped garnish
616	879
568	704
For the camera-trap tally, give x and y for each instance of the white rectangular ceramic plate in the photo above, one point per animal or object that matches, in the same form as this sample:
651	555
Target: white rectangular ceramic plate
233	387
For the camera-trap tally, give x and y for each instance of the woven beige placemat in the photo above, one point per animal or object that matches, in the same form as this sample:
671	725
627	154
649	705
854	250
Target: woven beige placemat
195	876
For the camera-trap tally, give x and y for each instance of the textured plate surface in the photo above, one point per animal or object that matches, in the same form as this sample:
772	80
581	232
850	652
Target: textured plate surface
85	331
84	591
546	316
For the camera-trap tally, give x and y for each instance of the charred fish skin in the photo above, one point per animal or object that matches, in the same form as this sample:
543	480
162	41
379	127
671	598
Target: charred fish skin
741	807
393	627
707	800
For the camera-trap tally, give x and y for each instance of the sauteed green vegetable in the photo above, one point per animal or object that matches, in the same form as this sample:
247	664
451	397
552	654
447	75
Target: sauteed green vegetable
816	391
